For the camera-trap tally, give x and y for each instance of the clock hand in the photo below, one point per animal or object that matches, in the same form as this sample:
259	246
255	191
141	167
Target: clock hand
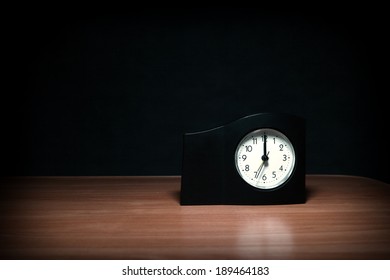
259	170
264	162
265	154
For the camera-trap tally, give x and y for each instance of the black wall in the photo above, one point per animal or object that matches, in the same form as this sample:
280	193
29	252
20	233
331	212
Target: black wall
112	95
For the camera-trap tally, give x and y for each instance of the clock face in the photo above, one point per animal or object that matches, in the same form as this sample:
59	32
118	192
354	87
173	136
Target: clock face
265	158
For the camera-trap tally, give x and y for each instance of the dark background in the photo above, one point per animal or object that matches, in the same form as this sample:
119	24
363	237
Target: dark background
113	94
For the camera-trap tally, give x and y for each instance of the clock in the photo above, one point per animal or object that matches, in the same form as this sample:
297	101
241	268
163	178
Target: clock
257	159
265	158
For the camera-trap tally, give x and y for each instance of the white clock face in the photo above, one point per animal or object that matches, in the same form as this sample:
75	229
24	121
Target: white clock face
265	158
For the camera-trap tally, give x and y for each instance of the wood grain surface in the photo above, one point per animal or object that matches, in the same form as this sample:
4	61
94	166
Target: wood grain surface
140	218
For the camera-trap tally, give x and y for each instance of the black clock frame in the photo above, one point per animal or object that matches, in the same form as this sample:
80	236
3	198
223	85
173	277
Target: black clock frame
209	174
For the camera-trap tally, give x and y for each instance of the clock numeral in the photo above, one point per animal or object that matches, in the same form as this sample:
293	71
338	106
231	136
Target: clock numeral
257	174
284	157
273	174
244	157
247	167
254	140
264	177
248	148
281	147
281	168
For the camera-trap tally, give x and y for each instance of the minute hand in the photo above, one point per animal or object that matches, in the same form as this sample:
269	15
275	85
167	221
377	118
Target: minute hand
265	154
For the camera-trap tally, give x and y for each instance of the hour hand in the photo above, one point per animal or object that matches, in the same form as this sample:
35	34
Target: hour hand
265	157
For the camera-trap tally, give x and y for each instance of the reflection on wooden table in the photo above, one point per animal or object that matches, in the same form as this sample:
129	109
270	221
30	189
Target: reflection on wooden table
345	217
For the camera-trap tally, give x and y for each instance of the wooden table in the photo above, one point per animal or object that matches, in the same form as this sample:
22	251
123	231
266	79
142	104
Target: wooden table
141	218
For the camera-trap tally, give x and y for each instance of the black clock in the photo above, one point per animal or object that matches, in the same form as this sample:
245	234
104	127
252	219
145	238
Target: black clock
258	159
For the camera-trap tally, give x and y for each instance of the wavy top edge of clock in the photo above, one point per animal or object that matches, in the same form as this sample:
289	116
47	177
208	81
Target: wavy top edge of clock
243	119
